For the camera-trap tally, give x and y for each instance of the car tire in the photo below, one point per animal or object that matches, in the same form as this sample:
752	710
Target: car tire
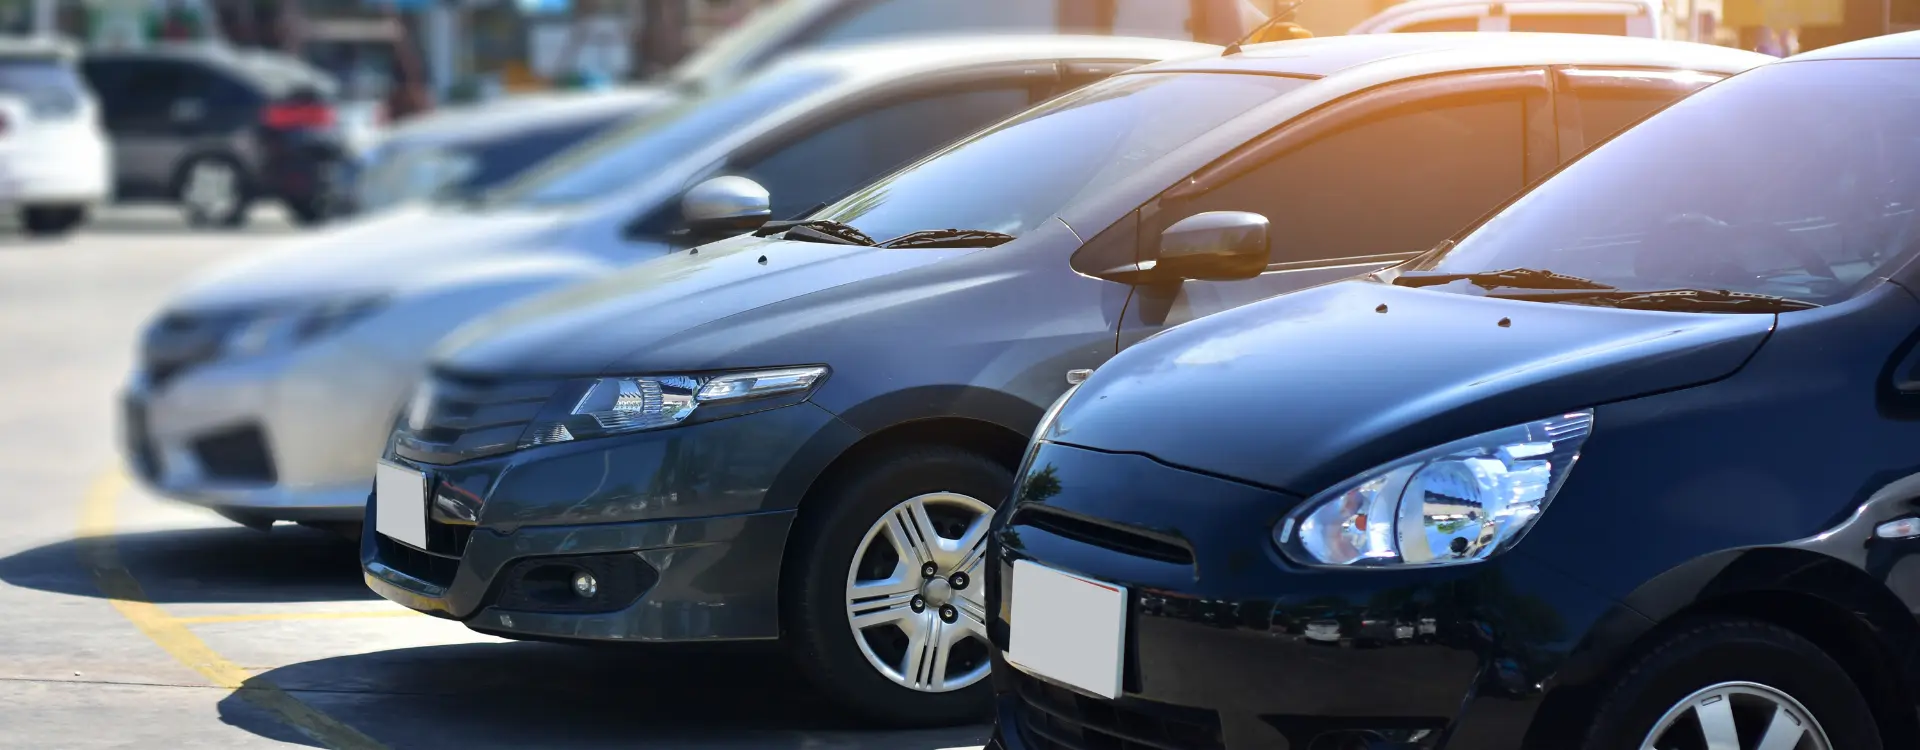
1745	668
51	221
215	191
843	526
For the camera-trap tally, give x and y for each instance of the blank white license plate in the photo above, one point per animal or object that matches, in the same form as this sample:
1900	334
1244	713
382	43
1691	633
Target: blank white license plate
400	503
1067	628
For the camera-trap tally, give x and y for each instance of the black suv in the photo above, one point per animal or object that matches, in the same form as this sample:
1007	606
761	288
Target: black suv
218	129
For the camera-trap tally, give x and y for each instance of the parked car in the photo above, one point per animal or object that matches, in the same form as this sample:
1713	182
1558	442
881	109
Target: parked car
266	389
54	159
888	357
1642	18
215	130
1647	469
462	152
791	26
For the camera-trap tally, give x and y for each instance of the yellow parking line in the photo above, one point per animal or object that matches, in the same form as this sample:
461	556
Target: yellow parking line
98	551
277	616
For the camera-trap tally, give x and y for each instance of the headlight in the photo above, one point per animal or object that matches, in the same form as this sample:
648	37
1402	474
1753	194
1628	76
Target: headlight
279	330
1459	503
611	406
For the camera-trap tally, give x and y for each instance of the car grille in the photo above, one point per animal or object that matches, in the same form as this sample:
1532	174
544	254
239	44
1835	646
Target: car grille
181	341
239	453
1054	718
1104	535
468	417
437	569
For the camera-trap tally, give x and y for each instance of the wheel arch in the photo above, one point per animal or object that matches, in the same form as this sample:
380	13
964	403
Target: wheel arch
1838	607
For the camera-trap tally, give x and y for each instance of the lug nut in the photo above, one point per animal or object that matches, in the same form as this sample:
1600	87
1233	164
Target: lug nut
959	581
948	613
929	570
919	604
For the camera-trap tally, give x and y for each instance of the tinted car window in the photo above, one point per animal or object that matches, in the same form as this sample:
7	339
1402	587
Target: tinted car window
833	162
1024	171
623	157
1575	23
1797	180
498	160
1603	113
49	86
1392	183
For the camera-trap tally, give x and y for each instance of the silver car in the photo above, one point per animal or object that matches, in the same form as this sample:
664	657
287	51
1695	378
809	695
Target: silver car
266	390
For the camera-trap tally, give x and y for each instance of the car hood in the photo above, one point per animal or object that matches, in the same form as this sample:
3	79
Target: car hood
1306	390
390	253
614	321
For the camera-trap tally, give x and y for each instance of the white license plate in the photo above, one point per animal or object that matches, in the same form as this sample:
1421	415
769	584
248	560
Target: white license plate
400	503
1067	628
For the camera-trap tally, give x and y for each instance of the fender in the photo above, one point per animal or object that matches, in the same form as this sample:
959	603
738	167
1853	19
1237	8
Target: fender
943	401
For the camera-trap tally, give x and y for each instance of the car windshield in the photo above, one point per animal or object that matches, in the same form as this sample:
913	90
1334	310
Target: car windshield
1011	178
1796	180
625	156
48	86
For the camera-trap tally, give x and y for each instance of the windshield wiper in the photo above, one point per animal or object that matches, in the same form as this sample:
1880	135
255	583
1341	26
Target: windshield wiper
949	238
1512	278
829	232
1669	300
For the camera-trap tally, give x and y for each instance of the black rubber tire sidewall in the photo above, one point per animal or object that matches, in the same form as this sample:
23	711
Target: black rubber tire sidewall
308	212
821	552
1717	651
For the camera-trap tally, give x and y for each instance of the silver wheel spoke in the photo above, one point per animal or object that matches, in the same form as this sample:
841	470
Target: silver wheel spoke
924	533
899	530
970	549
973	617
927	651
930	661
1783	732
881	602
1715	715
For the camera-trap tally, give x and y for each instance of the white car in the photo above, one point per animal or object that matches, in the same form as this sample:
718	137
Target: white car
55	161
266	390
1638	18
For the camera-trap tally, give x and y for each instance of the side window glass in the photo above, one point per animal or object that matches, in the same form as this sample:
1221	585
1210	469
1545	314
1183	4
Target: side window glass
1606	24
1609	101
834	161
1469	23
1394	182
889	18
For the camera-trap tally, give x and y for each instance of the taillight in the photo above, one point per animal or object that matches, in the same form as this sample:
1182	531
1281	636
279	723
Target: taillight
292	116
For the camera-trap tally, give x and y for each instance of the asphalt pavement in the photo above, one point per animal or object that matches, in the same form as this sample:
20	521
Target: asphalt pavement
128	621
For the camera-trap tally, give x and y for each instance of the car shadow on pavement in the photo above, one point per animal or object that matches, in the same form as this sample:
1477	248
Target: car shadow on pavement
206	565
514	695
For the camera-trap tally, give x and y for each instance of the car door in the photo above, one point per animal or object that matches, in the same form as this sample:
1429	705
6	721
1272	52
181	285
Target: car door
149	117
1592	104
1358	185
830	154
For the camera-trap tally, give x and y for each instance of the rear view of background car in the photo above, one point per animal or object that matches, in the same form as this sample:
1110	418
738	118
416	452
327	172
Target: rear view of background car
54	160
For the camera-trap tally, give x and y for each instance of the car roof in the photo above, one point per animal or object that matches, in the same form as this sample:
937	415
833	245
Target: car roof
1441	52
897	58
1892	46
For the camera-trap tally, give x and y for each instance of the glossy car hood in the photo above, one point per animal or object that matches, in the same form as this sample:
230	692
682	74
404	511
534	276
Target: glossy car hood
612	322
390	253
1309	389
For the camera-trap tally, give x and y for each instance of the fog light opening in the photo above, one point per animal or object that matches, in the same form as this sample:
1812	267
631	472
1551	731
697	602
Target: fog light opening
585	585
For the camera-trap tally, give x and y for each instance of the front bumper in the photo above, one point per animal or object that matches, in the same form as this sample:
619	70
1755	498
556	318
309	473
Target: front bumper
704	509
288	437
1219	652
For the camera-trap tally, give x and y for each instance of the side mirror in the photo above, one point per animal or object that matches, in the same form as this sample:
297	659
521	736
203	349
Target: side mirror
1215	246
725	206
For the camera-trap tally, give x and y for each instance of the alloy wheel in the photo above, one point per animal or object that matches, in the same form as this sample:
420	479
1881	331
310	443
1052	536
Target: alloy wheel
914	596
1737	716
213	188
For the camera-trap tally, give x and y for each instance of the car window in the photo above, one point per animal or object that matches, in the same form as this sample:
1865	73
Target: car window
1798	180
832	162
1393	182
498	160
146	89
625	156
48	86
890	18
1609	24
1022	172
1468	23
1606	110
